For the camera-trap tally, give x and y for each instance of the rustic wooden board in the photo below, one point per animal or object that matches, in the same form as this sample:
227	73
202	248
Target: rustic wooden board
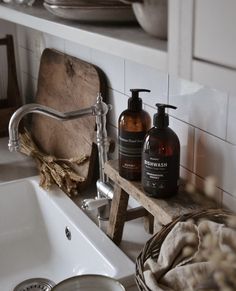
66	84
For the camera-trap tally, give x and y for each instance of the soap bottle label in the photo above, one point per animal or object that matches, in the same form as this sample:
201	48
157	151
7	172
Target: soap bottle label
160	173
130	148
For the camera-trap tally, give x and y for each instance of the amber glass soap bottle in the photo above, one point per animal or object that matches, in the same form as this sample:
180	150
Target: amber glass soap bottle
133	125
161	157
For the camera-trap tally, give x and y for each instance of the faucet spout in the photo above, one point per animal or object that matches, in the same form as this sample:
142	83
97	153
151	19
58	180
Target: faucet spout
14	144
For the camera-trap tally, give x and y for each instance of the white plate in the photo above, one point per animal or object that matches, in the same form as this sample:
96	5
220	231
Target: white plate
92	13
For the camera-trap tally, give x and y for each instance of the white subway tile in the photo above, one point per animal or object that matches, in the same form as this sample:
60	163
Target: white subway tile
29	88
187	176
4	72
209	156
113	134
200	106
231	124
54	42
229	201
28	62
185	134
229	170
215	157
150	110
7	28
30	39
199	184
25	58
119	103
26	37
77	50
112	66
141	76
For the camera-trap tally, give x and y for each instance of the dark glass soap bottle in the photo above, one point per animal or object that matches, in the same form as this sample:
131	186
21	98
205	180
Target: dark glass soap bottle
161	157
133	125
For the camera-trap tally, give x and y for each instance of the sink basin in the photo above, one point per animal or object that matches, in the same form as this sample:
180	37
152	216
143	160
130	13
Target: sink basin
44	234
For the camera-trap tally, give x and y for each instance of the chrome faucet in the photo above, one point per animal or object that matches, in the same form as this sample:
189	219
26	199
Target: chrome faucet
99	110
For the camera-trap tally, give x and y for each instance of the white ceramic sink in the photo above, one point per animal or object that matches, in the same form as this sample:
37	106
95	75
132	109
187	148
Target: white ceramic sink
33	242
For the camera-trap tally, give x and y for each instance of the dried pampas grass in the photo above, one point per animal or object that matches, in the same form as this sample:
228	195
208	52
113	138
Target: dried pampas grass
53	170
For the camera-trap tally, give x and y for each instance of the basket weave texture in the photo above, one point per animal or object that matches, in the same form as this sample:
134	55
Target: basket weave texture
153	245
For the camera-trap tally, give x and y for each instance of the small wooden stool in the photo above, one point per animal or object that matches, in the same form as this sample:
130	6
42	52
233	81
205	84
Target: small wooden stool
162	211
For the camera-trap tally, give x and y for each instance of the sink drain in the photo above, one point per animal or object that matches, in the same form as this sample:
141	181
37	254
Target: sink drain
35	284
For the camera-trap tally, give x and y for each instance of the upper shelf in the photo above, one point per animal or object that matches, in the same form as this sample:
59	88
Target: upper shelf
126	41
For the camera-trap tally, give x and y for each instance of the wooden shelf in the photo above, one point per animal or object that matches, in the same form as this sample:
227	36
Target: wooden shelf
164	211
129	42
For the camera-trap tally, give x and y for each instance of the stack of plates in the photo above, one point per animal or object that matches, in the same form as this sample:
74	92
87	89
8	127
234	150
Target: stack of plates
91	10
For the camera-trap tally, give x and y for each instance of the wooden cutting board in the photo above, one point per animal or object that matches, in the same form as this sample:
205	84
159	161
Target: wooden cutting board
67	83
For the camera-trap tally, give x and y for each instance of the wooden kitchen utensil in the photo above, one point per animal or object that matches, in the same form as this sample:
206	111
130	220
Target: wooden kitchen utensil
66	83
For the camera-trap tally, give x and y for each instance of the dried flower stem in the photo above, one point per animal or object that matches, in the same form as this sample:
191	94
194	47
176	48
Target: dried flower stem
53	170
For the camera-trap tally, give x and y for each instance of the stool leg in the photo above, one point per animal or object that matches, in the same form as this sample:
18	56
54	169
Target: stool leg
149	223
157	225
117	215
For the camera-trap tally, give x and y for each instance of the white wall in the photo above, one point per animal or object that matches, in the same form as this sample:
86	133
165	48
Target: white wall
205	120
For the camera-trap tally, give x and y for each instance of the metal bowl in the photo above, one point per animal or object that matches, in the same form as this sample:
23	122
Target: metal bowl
151	15
89	283
85	2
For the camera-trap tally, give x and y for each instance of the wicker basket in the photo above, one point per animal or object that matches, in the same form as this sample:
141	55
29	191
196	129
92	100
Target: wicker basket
153	245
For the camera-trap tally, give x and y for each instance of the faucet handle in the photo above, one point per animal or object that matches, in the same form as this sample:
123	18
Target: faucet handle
101	108
92	204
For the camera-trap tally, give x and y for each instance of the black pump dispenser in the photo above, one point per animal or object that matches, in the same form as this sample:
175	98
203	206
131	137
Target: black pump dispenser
134	102
161	118
133	124
161	157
